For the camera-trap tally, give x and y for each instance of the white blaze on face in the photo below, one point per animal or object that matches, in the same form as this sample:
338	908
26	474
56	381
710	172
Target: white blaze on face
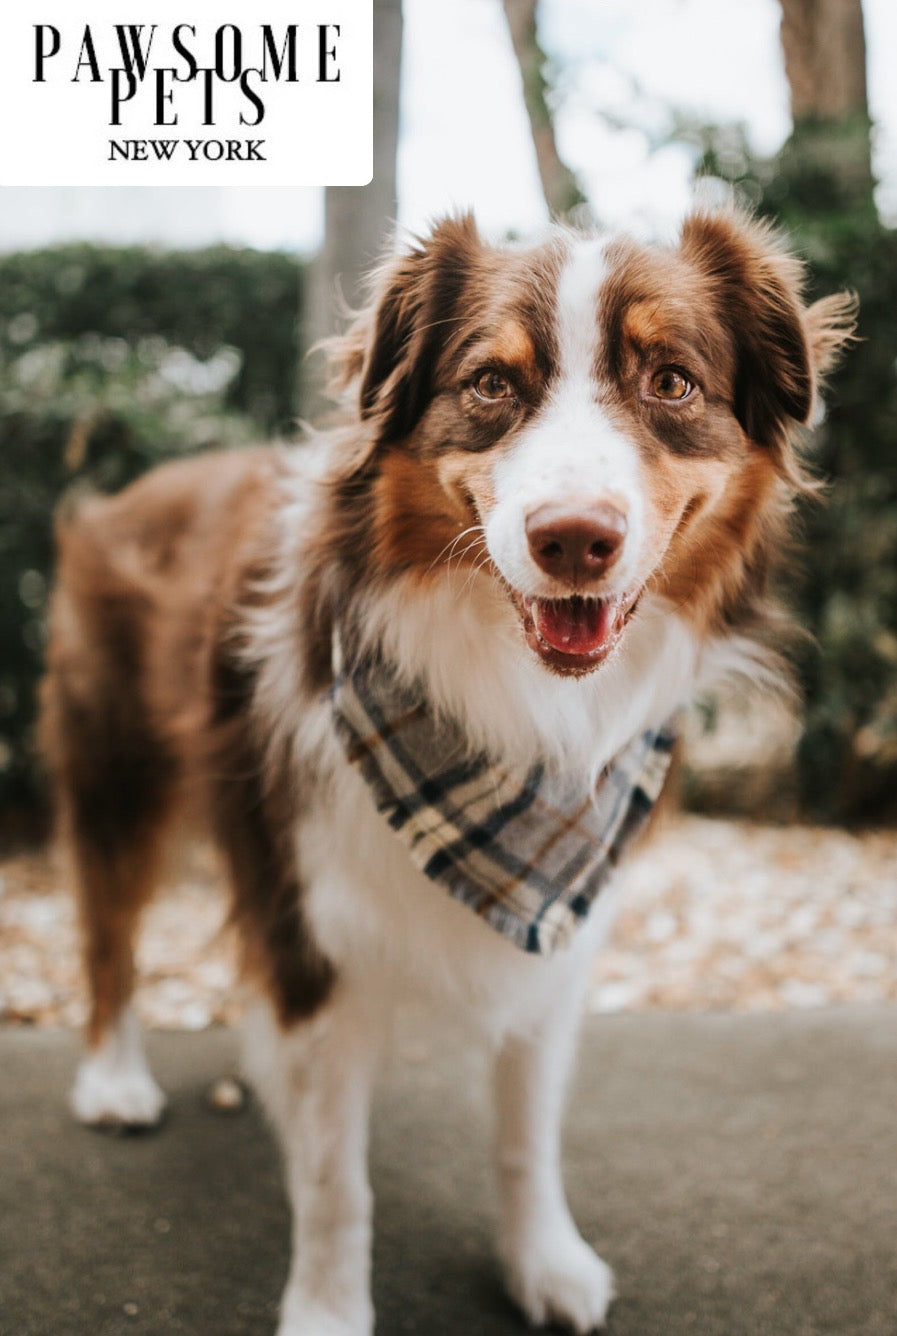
570	455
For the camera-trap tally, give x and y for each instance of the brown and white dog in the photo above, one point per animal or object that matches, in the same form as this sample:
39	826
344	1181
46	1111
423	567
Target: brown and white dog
559	480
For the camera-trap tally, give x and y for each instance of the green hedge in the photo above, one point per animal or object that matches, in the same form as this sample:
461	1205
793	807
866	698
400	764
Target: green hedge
199	300
848	594
111	360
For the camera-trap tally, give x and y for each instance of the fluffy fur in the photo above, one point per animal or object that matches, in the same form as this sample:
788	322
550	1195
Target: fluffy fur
559	480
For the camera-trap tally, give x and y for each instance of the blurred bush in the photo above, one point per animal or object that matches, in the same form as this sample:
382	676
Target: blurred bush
111	360
846	590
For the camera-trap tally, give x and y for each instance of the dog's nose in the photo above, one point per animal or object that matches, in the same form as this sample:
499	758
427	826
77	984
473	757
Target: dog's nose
576	545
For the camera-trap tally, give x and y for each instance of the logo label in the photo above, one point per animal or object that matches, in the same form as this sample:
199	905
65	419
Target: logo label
175	92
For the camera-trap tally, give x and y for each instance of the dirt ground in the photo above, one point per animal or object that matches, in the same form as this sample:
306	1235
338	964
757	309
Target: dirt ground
723	915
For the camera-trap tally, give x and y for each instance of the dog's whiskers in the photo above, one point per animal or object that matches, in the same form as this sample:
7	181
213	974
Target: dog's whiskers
448	553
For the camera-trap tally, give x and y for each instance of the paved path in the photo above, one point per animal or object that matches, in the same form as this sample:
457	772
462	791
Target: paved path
740	1173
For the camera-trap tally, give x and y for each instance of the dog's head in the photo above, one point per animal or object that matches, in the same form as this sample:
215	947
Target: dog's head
588	420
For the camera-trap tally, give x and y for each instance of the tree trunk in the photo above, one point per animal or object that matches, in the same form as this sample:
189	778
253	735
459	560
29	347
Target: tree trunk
559	185
825	58
358	220
824	45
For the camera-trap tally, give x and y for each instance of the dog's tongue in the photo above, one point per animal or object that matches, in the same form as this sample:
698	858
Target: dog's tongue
575	625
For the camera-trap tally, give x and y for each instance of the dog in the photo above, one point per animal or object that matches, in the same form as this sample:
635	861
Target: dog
420	676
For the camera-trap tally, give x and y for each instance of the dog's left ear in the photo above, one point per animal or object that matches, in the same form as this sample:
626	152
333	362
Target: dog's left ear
416	311
782	346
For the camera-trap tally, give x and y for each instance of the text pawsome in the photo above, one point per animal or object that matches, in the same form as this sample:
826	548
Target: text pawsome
158	71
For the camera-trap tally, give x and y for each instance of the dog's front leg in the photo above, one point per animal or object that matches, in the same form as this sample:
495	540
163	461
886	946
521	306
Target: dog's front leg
551	1271
315	1078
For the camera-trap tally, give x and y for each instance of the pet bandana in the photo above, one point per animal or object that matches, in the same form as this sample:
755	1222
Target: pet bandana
527	852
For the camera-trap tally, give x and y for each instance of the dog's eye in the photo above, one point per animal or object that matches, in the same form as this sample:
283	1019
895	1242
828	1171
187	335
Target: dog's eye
493	385
668	383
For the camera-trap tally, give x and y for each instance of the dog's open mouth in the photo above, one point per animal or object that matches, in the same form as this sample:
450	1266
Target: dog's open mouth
576	634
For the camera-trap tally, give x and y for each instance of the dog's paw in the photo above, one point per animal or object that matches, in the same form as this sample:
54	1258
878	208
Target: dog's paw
314	1321
116	1095
562	1282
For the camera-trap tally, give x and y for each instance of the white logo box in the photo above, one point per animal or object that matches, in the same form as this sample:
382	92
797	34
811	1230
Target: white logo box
181	93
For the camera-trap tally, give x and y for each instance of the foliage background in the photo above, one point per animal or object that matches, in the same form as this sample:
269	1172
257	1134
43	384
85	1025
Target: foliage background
111	360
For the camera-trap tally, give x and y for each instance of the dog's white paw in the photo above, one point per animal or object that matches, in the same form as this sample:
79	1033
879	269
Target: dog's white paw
114	1086
105	1096
320	1324
312	1320
562	1281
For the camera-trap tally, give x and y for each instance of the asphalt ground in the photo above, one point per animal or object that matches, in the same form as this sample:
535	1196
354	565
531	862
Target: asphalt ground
739	1173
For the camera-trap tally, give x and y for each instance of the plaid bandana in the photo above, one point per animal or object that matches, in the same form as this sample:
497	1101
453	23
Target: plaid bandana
527	852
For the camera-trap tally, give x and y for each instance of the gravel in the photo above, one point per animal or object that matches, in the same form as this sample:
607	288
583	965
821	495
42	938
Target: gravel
730	915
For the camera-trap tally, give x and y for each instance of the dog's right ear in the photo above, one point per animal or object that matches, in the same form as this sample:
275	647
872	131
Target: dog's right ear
416	310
